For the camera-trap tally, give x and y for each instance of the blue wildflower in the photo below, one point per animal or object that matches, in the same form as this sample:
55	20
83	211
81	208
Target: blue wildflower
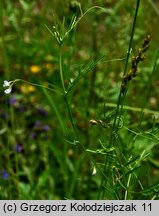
5	174
19	148
46	128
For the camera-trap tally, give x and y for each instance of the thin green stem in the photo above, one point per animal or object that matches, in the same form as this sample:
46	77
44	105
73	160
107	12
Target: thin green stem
127	187
135	109
63	88
154	6
55	108
83	15
120	101
60	36
38	85
61	68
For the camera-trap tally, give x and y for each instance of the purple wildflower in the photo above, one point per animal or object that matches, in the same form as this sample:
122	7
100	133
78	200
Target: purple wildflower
12	100
19	148
42	111
33	135
46	128
5	174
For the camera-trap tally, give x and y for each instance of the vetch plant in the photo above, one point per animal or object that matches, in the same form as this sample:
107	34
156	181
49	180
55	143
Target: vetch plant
105	148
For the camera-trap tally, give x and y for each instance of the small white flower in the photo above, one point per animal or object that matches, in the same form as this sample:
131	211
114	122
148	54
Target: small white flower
8	85
8	91
94	171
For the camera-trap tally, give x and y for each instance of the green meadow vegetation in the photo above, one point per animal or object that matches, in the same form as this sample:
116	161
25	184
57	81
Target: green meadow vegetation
79	115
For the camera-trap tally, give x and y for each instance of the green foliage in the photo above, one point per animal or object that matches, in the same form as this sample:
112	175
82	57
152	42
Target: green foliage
68	129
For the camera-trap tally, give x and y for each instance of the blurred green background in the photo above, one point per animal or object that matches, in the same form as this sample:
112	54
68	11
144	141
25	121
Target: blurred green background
39	158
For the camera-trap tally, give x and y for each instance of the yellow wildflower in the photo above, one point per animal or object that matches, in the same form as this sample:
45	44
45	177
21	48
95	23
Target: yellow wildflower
25	88
35	69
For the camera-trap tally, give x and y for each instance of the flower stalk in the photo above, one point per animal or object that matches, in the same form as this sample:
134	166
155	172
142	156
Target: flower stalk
135	60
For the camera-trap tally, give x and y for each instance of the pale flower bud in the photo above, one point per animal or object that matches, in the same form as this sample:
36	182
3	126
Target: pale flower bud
6	83
8	91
